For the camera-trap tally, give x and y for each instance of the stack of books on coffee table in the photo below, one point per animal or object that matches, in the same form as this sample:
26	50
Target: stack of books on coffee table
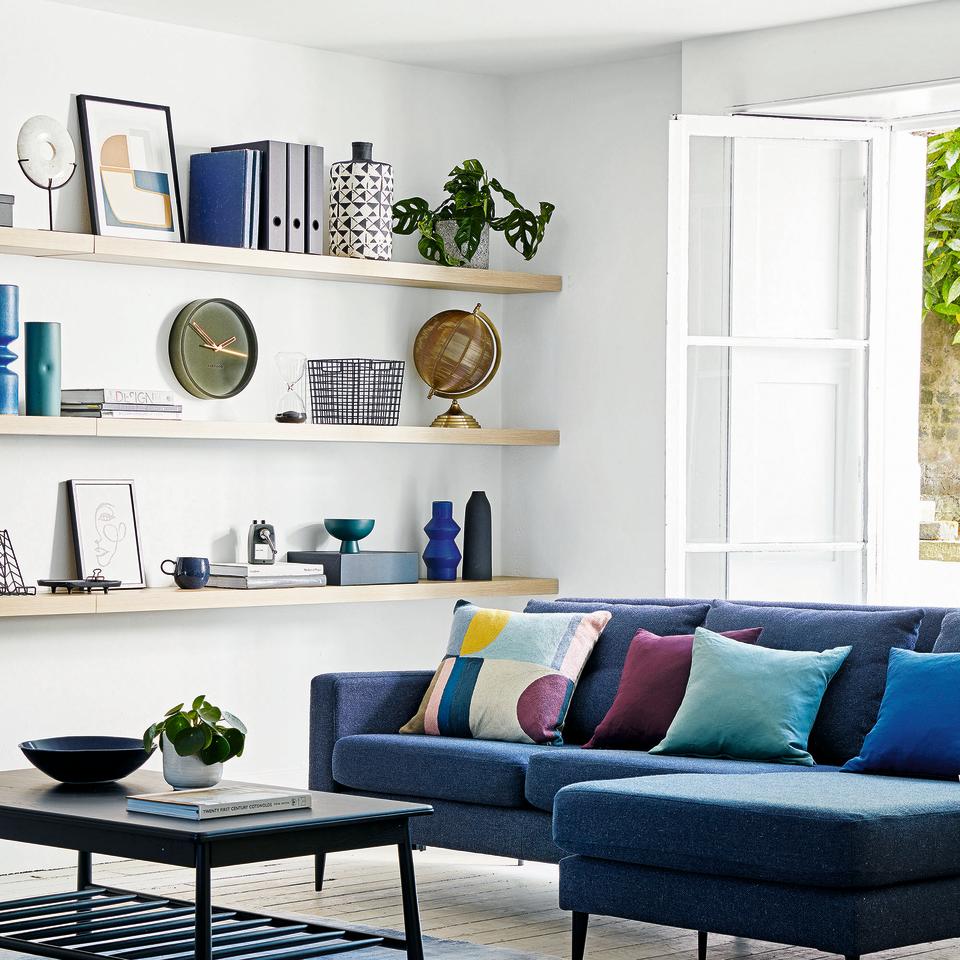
265	576
214	802
117	403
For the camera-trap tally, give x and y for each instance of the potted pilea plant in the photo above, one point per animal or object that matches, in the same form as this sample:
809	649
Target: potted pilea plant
196	743
456	232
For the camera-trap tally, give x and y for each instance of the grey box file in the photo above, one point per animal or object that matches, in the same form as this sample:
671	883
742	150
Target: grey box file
365	567
313	227
273	191
6	206
296	192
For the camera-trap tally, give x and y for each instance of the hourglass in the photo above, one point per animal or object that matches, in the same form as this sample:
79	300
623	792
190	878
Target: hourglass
291	408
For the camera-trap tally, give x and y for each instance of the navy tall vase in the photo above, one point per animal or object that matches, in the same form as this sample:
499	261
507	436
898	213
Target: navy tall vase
442	555
477	538
9	331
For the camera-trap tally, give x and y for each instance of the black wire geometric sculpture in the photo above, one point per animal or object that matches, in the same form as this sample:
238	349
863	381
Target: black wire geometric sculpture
11	579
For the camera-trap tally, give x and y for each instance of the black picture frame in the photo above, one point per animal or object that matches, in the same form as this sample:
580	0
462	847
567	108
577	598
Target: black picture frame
91	166
80	523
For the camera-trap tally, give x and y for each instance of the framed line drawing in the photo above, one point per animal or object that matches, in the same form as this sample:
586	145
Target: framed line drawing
130	165
106	530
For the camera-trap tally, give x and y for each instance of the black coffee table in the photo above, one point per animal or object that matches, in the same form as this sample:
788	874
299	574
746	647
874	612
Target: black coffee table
93	922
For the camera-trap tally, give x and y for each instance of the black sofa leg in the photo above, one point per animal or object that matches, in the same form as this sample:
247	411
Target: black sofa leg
319	865
851	956
580	921
701	945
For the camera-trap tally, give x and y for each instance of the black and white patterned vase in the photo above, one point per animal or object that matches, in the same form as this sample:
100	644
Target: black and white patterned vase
361	206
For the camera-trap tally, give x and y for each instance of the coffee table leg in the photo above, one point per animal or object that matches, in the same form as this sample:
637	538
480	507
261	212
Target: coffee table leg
203	947
84	870
411	911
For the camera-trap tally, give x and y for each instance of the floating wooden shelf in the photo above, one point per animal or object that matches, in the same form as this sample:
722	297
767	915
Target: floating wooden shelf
293	433
210	598
195	256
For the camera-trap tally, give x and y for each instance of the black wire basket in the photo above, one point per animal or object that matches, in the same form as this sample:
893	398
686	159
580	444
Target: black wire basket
356	391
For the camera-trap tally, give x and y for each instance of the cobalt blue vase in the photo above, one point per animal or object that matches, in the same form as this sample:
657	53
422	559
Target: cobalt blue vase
9	331
442	555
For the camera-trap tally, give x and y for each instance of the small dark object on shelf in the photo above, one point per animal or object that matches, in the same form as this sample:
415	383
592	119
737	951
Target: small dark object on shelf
291	416
356	391
11	579
86	760
95	582
477	538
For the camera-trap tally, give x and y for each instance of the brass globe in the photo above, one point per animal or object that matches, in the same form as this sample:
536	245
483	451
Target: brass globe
457	353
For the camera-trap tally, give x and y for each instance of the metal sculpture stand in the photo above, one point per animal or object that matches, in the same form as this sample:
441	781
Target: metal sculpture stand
48	186
11	579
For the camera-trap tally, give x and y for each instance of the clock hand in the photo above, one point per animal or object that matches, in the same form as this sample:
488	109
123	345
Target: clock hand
226	343
203	333
230	353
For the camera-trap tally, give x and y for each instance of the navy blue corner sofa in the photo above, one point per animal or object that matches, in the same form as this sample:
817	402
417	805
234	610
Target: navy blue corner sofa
807	856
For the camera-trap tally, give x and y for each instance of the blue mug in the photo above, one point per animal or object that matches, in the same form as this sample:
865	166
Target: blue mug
189	573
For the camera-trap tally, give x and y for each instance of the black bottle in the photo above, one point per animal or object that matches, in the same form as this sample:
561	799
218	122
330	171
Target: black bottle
477	538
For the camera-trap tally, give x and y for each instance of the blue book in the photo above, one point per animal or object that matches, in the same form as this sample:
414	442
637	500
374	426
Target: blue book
223	188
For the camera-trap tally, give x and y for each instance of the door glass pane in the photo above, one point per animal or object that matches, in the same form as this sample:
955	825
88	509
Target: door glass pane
775	441
821	576
777	238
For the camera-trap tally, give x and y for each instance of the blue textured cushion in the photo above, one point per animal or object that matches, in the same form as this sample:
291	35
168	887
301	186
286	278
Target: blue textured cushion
412	765
948	640
601	676
850	707
826	831
918	731
552	770
745	702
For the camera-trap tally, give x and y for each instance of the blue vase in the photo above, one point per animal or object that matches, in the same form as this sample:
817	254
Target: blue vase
9	331
442	555
41	395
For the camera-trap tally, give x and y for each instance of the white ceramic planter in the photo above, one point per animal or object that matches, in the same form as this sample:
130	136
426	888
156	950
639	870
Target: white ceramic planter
188	773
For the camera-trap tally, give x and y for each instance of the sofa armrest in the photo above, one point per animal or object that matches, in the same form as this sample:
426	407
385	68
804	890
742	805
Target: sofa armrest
343	704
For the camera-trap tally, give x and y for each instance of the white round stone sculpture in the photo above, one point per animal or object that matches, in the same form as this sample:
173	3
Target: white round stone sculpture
46	151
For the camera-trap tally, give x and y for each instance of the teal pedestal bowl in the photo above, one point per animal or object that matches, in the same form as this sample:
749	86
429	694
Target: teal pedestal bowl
349	532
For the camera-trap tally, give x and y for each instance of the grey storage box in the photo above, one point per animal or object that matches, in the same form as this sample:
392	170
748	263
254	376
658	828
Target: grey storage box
6	209
365	567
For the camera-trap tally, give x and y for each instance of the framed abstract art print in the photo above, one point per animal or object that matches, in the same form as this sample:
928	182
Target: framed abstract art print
106	531
131	169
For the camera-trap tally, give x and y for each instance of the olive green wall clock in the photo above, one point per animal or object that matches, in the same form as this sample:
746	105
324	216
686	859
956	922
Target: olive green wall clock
213	349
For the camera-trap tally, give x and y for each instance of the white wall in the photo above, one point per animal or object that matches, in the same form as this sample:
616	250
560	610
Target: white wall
823	57
594	141
114	675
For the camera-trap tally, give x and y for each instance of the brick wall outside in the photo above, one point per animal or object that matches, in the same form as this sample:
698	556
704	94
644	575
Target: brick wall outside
940	417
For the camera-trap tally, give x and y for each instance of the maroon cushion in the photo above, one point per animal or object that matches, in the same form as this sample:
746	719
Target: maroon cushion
652	686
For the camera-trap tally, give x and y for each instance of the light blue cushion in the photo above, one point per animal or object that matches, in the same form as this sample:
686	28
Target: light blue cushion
750	703
918	731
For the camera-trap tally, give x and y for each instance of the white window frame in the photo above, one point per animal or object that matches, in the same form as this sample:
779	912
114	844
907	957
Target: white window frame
682	129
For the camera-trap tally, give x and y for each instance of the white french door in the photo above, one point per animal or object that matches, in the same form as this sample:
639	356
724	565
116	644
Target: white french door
773	342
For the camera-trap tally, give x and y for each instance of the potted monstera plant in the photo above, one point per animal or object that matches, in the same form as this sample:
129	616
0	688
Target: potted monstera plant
196	741
456	232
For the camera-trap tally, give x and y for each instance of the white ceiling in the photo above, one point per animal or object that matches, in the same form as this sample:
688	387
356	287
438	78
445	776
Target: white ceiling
496	36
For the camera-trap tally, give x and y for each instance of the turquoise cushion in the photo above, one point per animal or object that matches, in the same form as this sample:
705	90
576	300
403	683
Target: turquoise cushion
750	703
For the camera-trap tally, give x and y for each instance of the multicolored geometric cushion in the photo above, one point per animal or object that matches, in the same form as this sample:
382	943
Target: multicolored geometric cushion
507	676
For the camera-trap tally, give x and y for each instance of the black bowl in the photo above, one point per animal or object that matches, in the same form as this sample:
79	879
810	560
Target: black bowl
86	759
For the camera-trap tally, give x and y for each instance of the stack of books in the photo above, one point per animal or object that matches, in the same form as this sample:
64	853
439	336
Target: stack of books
120	404
265	576
216	802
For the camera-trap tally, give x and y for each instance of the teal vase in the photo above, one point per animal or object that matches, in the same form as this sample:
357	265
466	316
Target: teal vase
43	369
442	556
9	331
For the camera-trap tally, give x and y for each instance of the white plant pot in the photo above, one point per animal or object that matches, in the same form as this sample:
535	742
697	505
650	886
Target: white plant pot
188	773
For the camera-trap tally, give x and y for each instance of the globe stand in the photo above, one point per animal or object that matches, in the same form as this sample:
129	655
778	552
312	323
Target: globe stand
455	417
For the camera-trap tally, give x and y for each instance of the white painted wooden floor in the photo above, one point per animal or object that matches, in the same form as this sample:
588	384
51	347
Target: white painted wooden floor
483	900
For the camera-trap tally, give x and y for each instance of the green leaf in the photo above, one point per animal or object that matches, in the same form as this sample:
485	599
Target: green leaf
235	722
954	291
469	233
947	309
150	734
175	725
198	702
237	740
928	301
956	338
190	741
216	751
949	195
408	213
507	195
209	713
174	710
